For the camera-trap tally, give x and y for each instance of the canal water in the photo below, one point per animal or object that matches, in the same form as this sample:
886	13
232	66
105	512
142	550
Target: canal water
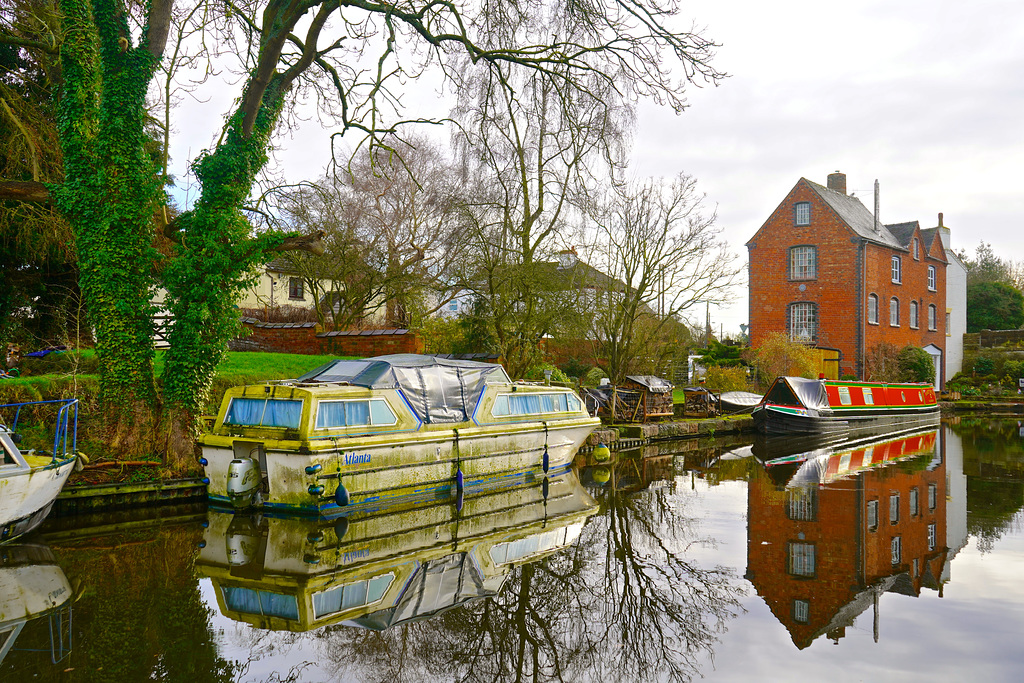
895	559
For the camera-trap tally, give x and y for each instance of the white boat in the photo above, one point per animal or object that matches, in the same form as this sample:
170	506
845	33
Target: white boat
33	586
31	481
357	433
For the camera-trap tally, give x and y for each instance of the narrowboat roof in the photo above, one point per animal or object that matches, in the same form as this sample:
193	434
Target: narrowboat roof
809	393
438	389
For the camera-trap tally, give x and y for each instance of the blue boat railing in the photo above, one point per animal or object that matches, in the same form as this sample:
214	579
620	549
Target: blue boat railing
67	413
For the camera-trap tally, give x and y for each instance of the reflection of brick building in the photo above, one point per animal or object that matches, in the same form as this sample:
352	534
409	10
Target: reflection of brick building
824	271
822	550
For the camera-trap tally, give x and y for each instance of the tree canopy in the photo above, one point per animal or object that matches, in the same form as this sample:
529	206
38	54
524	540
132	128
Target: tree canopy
994	306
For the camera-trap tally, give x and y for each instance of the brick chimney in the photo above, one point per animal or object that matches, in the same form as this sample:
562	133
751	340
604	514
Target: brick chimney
837	182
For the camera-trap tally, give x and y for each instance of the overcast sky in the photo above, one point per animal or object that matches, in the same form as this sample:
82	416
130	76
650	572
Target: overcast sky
925	96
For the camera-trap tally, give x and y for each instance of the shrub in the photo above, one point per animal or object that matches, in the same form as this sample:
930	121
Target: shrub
777	356
536	373
726	379
915	365
984	366
574	367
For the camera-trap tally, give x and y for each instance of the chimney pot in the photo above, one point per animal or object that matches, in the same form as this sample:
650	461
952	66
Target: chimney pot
837	182
940	220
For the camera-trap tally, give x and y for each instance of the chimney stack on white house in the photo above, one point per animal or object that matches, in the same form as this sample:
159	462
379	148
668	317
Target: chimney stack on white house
837	182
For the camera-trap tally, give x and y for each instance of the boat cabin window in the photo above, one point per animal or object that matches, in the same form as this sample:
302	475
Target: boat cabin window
263	603
351	595
332	414
869	396
264	412
513	551
535	404
844	395
781	394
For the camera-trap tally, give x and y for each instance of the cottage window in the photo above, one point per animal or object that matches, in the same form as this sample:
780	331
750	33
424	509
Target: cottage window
932	279
802	503
897	550
802	213
932	497
894	312
933	317
931	536
801	559
872	515
803	263
873	309
915	508
803	322
894	508
913	315
296	288
916	251
897	269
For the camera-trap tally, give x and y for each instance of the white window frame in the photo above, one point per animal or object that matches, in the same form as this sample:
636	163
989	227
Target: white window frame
896	550
914	315
917	249
872	514
933	318
872	309
894	312
894	508
933	279
803	262
802	213
897	270
931	536
369	413
808	321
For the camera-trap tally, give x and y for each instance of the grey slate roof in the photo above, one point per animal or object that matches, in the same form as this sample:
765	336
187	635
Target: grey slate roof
857	216
903	232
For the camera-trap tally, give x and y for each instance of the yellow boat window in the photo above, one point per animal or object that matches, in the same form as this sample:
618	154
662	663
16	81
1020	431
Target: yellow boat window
371	412
264	412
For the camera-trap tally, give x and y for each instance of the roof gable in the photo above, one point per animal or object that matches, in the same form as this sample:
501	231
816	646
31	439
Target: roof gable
933	245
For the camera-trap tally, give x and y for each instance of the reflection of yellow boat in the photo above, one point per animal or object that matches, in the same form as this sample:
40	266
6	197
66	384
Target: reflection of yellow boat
374	571
33	586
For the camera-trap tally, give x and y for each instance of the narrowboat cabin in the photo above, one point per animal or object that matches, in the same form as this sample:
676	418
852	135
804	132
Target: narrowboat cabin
364	432
794	405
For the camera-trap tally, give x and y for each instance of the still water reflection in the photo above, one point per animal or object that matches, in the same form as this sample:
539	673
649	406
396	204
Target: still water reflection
890	559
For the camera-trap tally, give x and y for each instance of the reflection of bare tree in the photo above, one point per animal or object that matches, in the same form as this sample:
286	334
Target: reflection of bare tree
626	602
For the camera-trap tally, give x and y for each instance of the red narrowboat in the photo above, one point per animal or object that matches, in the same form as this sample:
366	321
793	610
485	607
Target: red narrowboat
794	405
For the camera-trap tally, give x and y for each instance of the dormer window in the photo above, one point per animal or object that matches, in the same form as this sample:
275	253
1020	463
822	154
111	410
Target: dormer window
803	213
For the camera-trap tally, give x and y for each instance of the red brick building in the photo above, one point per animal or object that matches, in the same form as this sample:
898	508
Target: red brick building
827	273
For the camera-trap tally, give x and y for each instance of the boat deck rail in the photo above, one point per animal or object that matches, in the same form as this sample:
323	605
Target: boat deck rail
66	425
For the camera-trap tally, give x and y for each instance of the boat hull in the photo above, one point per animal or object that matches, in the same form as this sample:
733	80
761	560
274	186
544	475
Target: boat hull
783	420
335	476
26	497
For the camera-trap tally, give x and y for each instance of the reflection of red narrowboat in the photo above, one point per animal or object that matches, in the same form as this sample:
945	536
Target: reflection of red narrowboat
794	405
824	468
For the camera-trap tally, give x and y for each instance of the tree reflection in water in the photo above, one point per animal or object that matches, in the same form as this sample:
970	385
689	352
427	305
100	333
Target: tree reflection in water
626	602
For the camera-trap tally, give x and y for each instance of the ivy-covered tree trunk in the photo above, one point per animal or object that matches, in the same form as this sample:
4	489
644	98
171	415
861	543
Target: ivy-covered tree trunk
110	191
214	263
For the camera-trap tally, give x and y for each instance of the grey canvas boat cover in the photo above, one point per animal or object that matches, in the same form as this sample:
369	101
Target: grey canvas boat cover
797	391
438	390
652	383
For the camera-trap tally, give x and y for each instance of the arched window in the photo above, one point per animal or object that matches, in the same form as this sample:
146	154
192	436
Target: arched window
803	322
894	312
933	318
913	315
873	309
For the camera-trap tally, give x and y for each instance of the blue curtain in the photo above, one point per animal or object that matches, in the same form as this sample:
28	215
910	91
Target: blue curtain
330	415
261	412
357	413
245	411
282	414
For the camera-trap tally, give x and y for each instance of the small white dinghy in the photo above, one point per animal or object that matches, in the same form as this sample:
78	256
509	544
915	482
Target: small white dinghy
31	481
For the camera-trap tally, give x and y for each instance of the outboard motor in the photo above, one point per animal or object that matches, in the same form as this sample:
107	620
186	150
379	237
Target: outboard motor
243	483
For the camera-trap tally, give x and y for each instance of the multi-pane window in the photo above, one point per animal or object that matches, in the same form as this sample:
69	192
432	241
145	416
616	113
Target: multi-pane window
801	611
894	507
894	312
873	309
802	503
296	290
897	269
803	322
913	315
932	279
913	503
872	515
897	550
803	263
802	213
931	536
932	495
933	317
801	559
